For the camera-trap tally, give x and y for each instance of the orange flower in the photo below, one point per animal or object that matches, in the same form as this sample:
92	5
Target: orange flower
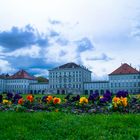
119	102
124	101
21	101
30	98
56	100
49	99
116	100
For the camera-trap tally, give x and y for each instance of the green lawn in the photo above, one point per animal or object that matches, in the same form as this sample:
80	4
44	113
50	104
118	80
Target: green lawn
41	95
62	126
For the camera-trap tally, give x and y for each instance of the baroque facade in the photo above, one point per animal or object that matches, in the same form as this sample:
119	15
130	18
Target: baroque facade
72	78
21	82
68	78
123	78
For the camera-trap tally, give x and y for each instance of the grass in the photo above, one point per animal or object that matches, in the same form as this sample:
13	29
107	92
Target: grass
62	96
62	126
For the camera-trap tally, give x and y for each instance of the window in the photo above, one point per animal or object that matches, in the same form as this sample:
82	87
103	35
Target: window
134	77
73	86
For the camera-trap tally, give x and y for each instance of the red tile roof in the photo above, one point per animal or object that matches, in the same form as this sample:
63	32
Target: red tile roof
125	69
22	74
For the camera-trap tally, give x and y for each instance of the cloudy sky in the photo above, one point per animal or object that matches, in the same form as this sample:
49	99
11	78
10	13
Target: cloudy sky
37	35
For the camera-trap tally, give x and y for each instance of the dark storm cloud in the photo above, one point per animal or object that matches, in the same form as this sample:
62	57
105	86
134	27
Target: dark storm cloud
27	62
21	37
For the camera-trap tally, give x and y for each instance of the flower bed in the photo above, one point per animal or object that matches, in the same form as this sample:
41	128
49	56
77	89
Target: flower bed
107	103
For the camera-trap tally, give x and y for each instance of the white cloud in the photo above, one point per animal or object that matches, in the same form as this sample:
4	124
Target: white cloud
40	72
33	52
5	67
53	54
109	24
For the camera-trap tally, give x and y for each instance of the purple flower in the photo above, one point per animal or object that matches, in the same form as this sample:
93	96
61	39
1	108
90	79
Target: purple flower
75	98
44	99
1	98
103	100
67	97
122	94
134	100
9	96
107	95
94	96
16	98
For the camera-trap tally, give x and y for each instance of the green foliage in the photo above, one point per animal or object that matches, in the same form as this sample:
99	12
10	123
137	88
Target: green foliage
63	126
41	79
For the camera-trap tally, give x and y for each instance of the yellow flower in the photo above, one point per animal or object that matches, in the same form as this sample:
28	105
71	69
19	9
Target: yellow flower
5	101
116	101
115	105
65	100
119	102
83	100
138	96
124	101
16	109
101	97
9	103
56	110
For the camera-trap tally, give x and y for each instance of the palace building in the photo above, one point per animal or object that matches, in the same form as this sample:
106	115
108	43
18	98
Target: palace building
68	78
21	82
125	78
74	79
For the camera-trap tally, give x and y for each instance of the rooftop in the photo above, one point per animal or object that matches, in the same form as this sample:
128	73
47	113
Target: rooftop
4	76
70	65
22	74
125	69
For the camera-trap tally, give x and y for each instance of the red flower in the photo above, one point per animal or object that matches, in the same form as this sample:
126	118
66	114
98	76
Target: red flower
21	101
30	98
49	99
56	100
